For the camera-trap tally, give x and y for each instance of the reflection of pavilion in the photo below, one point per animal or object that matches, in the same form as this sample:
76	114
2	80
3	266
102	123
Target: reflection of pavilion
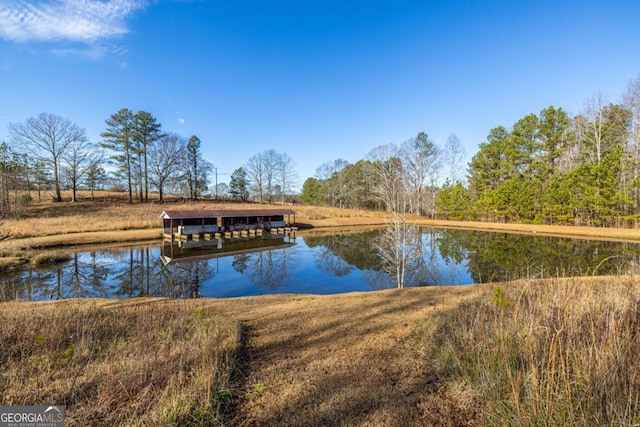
220	224
205	233
192	250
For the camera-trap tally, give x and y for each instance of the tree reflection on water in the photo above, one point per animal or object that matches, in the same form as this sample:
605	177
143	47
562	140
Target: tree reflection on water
268	269
318	264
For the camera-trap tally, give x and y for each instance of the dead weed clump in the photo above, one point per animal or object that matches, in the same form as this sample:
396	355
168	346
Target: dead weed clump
49	257
559	352
129	363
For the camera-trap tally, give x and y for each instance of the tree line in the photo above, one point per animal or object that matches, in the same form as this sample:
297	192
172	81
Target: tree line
547	168
268	177
394	177
49	154
550	168
146	157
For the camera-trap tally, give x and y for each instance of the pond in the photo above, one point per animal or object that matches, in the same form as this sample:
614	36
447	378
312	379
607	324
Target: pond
327	264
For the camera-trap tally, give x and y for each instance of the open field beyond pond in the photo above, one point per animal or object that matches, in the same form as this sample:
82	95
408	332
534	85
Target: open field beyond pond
562	351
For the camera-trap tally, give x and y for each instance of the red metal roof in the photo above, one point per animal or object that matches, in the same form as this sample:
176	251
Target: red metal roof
223	213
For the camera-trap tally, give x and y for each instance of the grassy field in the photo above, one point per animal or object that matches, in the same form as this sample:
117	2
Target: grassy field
555	352
45	228
562	351
551	352
134	362
111	212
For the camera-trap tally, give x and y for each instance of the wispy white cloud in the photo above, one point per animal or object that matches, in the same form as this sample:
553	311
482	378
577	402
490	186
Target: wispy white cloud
91	52
71	20
181	120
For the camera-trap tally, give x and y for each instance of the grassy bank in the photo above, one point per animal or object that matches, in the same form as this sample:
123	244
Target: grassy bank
554	352
111	212
144	363
550	352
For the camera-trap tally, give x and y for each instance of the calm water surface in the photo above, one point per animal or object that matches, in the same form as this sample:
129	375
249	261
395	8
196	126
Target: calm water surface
317	265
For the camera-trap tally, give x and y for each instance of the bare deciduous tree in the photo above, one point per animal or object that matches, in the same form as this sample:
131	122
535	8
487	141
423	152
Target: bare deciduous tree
389	172
270	173
47	137
453	156
257	175
398	248
419	157
164	157
595	122
287	175
77	160
607	126
631	100
330	173
270	160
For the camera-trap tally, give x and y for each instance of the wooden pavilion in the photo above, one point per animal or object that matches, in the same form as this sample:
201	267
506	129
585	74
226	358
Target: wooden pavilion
218	223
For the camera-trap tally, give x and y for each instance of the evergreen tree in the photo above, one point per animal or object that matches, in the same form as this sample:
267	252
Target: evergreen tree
312	193
119	139
95	176
239	185
453	202
9	178
146	130
554	133
193	158
492	163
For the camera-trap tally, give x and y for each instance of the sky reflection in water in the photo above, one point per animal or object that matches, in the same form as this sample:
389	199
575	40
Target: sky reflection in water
328	264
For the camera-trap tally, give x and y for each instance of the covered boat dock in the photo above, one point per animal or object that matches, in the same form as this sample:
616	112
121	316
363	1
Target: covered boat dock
216	224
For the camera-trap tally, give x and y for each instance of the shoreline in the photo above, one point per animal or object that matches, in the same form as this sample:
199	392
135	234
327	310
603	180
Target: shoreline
357	358
17	252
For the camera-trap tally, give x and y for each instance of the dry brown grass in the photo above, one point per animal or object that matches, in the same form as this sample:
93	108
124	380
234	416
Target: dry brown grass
549	352
596	233
145	363
338	360
10	263
275	360
46	226
557	352
111	212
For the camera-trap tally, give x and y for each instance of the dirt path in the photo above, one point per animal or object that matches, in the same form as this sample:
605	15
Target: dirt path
333	360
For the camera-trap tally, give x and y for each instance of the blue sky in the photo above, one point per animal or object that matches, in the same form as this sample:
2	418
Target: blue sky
319	80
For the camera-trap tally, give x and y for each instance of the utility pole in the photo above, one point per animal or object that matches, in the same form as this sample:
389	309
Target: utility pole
216	169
